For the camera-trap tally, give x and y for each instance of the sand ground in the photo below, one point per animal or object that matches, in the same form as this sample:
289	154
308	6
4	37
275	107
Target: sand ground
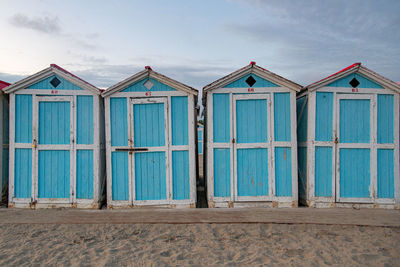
26	238
198	245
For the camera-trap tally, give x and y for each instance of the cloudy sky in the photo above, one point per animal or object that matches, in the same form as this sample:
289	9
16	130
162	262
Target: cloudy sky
197	42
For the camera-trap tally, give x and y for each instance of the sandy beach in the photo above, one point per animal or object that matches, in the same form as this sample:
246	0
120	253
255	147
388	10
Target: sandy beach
198	245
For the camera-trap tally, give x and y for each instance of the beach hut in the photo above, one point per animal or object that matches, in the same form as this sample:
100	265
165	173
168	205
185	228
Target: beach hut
150	142
200	131
56	137
348	136
251	146
4	142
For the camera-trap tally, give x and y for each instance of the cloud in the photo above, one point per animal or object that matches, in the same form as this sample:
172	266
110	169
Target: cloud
49	25
194	75
11	78
314	38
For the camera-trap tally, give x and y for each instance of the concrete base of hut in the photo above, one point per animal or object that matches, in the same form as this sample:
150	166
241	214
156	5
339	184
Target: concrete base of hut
158	206
252	204
94	206
325	205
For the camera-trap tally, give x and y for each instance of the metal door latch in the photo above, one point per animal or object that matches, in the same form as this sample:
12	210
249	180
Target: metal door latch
139	149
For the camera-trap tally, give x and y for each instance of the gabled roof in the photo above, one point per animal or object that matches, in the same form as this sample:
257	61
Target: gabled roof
356	67
53	69
3	84
149	73
252	68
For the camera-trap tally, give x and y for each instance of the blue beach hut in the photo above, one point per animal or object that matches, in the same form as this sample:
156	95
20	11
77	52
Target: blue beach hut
348	137
4	142
150	142
251	145
56	132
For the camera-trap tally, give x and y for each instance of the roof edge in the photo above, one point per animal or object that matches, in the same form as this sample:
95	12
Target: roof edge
356	67
264	73
346	70
148	72
53	69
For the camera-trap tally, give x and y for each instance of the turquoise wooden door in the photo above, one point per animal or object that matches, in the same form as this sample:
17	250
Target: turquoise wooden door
354	148
150	150
251	115
53	141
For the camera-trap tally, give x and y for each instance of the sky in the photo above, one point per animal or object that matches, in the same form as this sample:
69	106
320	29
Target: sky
198	42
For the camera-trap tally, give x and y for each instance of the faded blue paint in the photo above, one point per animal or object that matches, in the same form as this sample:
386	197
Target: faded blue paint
323	171
84	125
324	117
150	176
385	173
354	121
120	175
200	140
139	86
5	124
283	171
23	118
364	82
54	174
252	172
200	148
302	119
200	134
179	117
54	122
84	174
5	167
222	172
385	119
46	85
355	172
119	124
5	120
282	116
302	156
251	121
221	118
180	175
23	173
241	82
149	125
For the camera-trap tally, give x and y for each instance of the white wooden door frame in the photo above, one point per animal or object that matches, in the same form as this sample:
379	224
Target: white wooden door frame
267	145
164	148
36	146
371	146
